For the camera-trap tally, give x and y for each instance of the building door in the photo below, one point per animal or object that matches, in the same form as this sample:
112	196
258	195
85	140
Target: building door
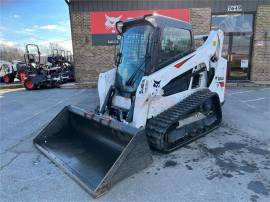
238	29
239	57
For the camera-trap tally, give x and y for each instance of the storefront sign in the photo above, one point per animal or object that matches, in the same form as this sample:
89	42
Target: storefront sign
234	8
244	64
103	29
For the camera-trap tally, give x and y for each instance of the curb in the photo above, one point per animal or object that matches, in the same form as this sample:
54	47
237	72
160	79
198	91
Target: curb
79	85
247	84
72	85
69	86
63	86
228	85
10	86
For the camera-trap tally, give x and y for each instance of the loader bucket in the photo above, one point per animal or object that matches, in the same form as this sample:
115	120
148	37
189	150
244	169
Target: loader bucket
95	151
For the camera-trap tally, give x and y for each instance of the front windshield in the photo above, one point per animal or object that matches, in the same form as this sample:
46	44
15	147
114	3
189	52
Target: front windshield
5	68
134	44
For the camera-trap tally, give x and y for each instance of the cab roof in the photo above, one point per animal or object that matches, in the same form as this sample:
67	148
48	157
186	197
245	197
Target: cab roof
159	21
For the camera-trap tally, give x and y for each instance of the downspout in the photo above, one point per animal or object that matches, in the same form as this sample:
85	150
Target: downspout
68	4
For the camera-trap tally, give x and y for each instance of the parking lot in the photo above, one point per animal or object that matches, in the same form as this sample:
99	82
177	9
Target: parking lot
230	164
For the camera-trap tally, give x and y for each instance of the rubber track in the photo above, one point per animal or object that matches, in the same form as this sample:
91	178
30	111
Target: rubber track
156	127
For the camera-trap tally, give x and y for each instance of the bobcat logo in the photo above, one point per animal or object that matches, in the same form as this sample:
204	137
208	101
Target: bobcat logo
110	22
156	84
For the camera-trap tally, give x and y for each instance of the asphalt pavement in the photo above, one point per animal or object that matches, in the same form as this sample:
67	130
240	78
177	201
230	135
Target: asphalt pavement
231	163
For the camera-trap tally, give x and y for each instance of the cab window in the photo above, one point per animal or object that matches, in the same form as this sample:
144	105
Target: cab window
175	43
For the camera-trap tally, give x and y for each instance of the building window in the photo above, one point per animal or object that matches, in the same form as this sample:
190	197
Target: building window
233	22
238	29
175	43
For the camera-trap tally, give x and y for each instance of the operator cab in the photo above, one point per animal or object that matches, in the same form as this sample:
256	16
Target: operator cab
146	45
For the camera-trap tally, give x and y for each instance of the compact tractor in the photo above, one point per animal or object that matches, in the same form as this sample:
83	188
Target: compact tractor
63	62
163	94
36	75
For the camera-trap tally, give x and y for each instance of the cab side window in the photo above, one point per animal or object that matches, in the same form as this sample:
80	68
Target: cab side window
175	43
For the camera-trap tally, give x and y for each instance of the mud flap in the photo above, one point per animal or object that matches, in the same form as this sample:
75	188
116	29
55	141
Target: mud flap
95	151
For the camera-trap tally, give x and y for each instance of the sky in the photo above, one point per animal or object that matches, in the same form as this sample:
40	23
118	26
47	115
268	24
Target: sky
34	21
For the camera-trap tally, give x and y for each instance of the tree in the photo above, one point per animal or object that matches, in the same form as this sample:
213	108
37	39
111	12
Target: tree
10	53
48	49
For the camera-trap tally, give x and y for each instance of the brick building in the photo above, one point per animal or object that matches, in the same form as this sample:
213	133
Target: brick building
246	24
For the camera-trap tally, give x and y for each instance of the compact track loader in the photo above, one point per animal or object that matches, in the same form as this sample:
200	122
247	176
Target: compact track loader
7	72
163	93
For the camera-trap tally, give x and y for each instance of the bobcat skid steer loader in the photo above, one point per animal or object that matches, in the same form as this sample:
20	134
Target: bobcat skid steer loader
163	93
7	72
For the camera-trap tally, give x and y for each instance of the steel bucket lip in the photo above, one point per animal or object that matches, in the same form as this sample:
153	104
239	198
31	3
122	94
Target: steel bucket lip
98	191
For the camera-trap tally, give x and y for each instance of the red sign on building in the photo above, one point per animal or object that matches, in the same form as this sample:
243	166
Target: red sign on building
103	23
